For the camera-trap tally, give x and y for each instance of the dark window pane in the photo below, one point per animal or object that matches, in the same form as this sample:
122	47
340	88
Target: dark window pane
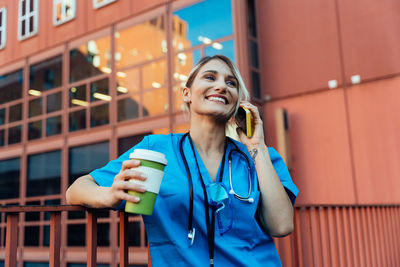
46	236
85	159
50	202
31	24
36	264
77	120
54	102
34	130
53	125
251	16
253	54
14	135
76	235
98	265
9	178
99	115
77	96
99	90
11	86
126	143
90	59
44	172
2	135
23	6
32	216
134	234
15	113
2	116
46	74
31	6
103	234
31	236
255	78
128	108
35	107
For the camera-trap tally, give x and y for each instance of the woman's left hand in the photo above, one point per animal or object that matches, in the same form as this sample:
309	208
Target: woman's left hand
257	138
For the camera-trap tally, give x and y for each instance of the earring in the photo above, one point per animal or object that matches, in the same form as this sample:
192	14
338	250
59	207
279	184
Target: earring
186	100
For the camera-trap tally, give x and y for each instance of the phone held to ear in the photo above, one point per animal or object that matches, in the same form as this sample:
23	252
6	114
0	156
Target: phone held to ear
243	120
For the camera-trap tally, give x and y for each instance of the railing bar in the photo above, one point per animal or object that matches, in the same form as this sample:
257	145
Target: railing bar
340	236
91	238
365	236
354	236
324	236
371	229
332	230
55	239
360	237
396	220
296	245
396	238
315	235
377	237
11	240
123	239
388	234
381	236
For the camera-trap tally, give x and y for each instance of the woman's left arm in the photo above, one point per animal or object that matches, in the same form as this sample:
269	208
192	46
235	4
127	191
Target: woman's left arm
276	208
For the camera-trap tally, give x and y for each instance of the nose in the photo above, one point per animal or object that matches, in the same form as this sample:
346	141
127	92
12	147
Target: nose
220	85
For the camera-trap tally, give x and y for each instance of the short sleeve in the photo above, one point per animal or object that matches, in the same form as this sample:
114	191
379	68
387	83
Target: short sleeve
283	174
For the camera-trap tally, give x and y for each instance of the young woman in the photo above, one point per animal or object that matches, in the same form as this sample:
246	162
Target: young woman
220	200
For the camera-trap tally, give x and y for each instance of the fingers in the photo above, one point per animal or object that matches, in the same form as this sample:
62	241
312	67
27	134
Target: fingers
253	109
131	163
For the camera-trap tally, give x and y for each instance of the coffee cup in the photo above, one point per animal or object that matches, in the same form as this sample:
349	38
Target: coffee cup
152	164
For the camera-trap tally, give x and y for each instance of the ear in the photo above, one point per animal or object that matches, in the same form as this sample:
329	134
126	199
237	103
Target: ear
187	95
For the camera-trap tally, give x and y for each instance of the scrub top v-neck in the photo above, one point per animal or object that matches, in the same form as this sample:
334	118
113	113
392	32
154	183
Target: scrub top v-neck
245	244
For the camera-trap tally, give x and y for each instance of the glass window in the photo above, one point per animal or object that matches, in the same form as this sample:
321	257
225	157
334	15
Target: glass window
90	59
63	11
84	265
99	115
141	42
256	86
9	178
84	159
126	143
35	264
223	48
15	113
77	120
45	75
154	75
99	90
35	107
77	96
44	174
127	81
128	108
11	86
2	135
28	18
14	135
54	102
53	125
2	116
3	27
251	16
155	102
34	130
100	3
253	54
31	238
76	234
196	24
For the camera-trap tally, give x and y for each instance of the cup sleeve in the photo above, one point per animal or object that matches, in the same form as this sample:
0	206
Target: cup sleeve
283	174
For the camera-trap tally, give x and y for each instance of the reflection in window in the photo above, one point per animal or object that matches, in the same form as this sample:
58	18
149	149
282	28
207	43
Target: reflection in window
127	81
90	59
35	264
125	143
63	11
15	113
223	48
198	23
28	18
53	125
11	86
140	43
35	130
99	115
77	120
77	96
2	135
45	75
44	174
76	235
155	102
14	135
251	16
31	239
99	90
2	116
35	107
9	178
84	159
154	74
3	27
128	108
53	102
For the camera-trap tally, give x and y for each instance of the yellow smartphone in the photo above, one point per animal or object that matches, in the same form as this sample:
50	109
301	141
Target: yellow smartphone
243	120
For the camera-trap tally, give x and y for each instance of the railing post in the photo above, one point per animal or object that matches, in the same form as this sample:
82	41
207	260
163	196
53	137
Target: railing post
11	240
123	239
55	239
91	238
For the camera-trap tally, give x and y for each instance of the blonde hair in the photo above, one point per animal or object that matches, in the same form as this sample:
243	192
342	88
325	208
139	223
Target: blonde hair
243	93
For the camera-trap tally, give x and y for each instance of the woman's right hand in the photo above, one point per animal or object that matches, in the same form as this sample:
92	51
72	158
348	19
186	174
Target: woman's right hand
119	189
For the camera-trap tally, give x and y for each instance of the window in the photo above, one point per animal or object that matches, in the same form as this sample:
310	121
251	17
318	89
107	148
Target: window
3	25
63	11
99	3
253	50
28	22
9	178
11	86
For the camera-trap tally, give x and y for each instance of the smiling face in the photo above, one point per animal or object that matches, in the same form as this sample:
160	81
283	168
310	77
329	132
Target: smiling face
214	91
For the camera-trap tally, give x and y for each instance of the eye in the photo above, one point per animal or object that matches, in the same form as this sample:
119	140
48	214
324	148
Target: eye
231	83
209	77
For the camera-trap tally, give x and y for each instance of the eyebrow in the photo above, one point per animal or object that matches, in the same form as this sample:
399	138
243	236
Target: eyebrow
216	72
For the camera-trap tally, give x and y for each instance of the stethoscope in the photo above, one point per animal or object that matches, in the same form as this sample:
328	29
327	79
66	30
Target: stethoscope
211	225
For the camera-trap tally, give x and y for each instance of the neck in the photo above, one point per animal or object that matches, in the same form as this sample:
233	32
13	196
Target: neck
207	135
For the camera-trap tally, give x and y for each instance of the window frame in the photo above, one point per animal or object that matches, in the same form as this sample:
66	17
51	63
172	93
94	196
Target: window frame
3	27
25	19
64	18
97	5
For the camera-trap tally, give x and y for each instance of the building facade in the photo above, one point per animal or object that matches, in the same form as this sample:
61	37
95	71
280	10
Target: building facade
83	81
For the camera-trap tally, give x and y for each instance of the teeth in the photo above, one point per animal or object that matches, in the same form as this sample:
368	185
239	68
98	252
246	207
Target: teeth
214	98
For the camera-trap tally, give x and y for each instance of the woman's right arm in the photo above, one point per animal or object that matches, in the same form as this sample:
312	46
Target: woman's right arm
85	191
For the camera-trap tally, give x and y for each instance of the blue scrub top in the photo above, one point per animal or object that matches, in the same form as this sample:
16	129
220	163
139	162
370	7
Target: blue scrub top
245	244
